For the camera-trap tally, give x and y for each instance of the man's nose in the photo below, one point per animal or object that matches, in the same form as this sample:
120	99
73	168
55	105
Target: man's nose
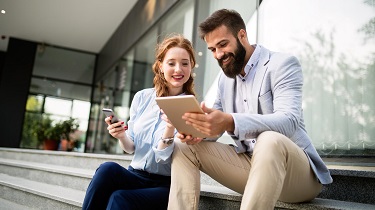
219	54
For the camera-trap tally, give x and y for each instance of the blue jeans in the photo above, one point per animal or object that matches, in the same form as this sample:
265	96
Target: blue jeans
114	187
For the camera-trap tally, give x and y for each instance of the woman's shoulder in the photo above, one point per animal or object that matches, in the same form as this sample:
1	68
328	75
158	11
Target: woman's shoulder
145	93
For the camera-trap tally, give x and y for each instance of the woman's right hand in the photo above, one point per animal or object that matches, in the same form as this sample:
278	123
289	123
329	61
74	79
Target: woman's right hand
117	130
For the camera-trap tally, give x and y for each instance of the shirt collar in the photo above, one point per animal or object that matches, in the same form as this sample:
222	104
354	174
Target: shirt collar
254	58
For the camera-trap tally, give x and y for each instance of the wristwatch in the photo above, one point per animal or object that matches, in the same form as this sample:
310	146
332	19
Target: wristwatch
167	141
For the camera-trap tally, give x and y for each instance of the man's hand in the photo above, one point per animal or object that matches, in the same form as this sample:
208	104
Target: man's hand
212	123
188	139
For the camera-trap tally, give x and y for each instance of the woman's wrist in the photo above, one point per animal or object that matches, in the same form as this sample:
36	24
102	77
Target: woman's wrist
167	141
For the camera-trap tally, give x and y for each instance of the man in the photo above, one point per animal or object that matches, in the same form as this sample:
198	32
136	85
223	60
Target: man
258	104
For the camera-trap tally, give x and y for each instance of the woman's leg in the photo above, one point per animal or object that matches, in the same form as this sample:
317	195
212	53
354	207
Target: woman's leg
139	199
108	178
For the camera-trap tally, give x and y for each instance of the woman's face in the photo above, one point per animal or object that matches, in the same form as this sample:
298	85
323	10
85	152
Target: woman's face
176	67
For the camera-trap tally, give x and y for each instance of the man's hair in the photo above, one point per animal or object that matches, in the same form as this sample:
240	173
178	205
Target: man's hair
229	18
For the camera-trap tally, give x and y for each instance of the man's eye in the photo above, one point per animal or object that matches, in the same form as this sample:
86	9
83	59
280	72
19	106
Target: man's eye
223	44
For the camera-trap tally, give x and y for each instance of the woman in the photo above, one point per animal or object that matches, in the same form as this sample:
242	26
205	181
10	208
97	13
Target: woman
149	135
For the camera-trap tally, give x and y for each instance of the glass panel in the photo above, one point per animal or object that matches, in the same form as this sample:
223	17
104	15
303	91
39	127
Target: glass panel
180	20
55	106
60	89
64	64
336	47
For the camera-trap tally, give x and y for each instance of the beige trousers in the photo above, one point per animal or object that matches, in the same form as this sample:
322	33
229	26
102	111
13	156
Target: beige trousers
277	170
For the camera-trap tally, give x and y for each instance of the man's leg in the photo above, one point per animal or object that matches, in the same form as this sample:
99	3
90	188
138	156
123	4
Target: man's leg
220	161
280	170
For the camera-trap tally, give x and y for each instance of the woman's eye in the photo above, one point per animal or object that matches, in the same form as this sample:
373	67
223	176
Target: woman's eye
171	64
185	64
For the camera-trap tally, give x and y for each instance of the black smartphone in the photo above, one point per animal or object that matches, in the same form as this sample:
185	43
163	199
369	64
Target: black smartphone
109	112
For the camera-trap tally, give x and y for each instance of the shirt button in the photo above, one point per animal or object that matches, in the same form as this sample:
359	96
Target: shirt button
243	80
245	100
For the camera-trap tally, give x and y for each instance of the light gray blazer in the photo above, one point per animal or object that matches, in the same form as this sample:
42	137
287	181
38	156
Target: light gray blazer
278	90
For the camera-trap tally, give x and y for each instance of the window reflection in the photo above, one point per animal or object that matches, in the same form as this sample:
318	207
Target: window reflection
335	43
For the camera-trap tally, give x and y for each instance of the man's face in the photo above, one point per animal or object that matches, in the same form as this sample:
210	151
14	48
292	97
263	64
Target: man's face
227	50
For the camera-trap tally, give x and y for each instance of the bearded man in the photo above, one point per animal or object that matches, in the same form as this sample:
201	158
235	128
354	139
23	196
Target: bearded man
259	104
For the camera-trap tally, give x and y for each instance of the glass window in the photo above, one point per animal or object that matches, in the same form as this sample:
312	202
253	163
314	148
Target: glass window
60	89
56	106
180	20
64	64
335	43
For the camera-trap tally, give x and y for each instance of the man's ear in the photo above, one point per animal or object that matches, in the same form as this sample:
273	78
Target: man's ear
241	34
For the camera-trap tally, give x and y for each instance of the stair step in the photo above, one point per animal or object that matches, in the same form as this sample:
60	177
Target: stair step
213	197
9	205
75	178
69	159
39	195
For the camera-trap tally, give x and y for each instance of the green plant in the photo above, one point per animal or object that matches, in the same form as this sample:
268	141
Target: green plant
68	127
48	129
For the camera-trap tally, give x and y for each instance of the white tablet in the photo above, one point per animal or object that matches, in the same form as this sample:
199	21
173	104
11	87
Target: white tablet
175	106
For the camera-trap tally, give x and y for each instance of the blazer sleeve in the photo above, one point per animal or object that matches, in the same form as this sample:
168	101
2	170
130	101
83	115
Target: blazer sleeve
279	100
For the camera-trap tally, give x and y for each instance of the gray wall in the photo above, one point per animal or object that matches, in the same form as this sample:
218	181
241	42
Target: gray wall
14	89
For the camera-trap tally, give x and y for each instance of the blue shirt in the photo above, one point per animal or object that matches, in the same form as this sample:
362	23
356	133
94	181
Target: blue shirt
145	128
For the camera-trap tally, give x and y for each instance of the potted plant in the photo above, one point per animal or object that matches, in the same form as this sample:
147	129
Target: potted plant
49	133
67	127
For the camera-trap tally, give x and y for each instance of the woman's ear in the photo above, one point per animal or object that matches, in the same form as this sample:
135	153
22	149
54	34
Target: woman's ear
160	65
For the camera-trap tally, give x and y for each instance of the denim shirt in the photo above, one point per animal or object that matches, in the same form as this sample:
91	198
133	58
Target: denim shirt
145	128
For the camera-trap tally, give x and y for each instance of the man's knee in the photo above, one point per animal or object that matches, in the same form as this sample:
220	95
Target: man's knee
270	141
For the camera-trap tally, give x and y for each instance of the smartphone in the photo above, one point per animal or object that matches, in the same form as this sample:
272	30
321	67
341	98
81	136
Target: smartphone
109	112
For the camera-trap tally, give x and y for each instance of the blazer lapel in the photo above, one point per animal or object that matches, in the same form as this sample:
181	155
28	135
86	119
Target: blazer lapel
230	95
259	75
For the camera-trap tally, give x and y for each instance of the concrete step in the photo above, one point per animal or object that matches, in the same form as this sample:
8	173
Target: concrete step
69	159
75	178
37	195
9	205
213	197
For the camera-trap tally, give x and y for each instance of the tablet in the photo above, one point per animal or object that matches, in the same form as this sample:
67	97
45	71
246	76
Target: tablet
175	106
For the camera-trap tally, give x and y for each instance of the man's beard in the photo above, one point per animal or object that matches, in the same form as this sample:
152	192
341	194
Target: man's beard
234	67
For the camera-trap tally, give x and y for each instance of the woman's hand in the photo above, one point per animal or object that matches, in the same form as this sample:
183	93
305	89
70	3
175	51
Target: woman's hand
165	118
117	130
